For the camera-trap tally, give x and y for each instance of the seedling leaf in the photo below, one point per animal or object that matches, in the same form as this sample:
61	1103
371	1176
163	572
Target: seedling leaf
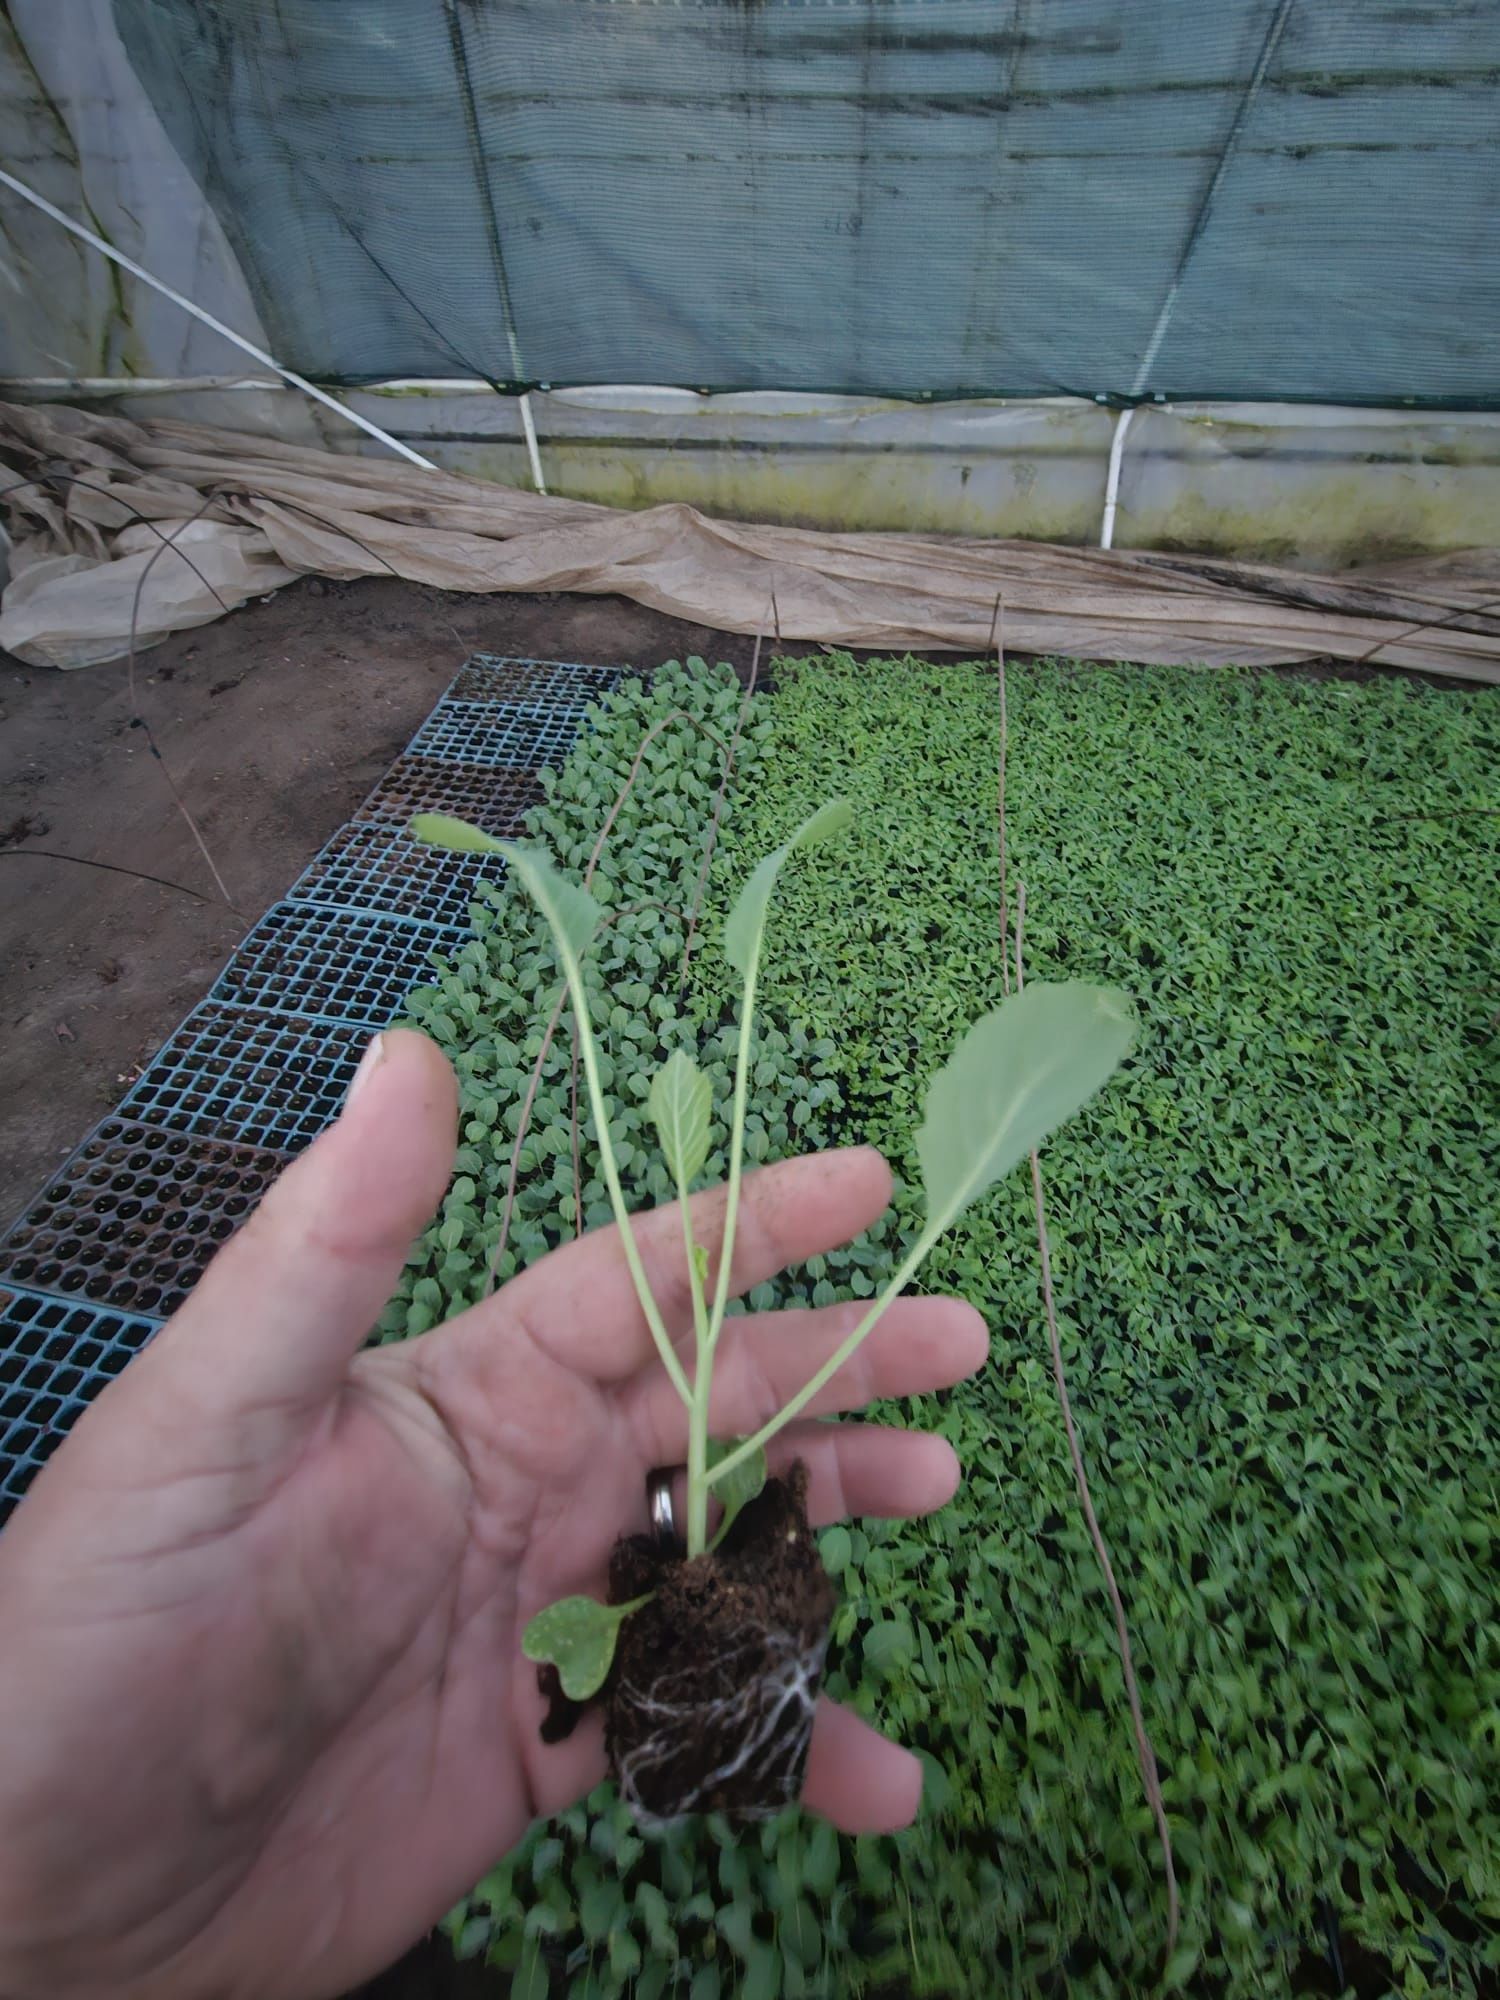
456	835
680	1102
747	920
737	1488
1015	1076
568	908
577	1636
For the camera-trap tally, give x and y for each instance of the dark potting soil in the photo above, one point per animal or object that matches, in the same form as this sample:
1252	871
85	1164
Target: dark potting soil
709	1706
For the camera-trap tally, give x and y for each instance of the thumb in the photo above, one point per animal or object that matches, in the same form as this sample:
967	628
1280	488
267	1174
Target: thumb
277	1315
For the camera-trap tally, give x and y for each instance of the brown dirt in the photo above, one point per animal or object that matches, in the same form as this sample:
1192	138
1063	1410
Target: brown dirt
273	723
730	1651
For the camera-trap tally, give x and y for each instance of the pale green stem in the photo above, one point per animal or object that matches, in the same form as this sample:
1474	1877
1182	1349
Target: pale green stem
649	1306
736	1156
697	1522
835	1361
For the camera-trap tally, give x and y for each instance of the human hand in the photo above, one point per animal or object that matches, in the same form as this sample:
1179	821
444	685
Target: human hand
265	1711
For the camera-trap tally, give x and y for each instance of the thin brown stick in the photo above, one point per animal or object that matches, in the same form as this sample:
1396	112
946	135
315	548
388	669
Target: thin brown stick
1020	929
165	541
1430	625
111	868
141	721
677	715
138	519
1145	1754
999	651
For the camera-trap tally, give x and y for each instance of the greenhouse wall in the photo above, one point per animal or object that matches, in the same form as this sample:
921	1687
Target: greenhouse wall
896	263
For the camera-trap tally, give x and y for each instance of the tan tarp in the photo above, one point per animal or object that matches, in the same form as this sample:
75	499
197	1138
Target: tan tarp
262	512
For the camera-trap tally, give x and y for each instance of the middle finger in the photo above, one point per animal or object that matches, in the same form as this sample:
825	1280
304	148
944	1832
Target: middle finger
764	1359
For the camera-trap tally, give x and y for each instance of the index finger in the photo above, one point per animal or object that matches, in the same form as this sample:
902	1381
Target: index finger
580	1306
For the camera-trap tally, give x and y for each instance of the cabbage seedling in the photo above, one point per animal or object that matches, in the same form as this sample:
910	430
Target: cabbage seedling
1016	1075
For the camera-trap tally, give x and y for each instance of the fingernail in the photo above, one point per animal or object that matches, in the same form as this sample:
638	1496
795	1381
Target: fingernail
369	1062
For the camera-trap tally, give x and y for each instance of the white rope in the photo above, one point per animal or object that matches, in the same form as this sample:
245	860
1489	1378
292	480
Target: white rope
247	346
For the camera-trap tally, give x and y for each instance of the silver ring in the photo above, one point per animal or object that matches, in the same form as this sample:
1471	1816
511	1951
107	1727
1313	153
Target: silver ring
659	1502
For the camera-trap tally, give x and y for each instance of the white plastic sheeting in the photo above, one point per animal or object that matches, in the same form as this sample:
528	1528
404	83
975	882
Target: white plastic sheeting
341	515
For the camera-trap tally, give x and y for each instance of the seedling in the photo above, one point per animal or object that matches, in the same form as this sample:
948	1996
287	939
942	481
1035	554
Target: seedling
1016	1075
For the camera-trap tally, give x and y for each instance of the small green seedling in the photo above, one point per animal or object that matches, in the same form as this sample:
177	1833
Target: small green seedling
1016	1075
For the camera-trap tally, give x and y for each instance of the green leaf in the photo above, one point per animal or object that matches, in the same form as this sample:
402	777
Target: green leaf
736	1924
820	1869
456	835
1015	1076
762	1979
600	1907
835	1549
680	1102
577	1636
890	1645
738	1487
747	920
529	1980
570	910
473	1938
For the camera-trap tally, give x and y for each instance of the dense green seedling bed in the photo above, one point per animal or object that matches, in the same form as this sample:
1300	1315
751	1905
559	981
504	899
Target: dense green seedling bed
1275	1247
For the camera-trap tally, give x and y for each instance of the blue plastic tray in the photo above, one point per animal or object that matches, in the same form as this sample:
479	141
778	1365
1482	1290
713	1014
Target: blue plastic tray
498	677
55	1357
134	1217
120	1235
248	1074
488	795
375	865
345	966
519	738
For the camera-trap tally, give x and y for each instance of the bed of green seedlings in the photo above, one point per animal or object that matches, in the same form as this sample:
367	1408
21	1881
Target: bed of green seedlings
1275	1250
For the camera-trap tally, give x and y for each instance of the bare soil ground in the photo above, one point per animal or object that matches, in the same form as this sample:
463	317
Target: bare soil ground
273	724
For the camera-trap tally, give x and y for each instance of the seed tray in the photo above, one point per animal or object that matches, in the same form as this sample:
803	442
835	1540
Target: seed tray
246	1074
55	1357
495	677
344	965
375	865
498	735
134	1217
496	800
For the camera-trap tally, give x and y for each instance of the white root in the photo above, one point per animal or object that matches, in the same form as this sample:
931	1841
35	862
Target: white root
775	1707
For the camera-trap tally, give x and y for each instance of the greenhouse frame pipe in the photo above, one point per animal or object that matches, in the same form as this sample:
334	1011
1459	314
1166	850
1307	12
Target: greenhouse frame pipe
259	354
1112	476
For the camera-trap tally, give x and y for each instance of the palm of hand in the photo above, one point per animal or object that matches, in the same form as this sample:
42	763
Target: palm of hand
266	1604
